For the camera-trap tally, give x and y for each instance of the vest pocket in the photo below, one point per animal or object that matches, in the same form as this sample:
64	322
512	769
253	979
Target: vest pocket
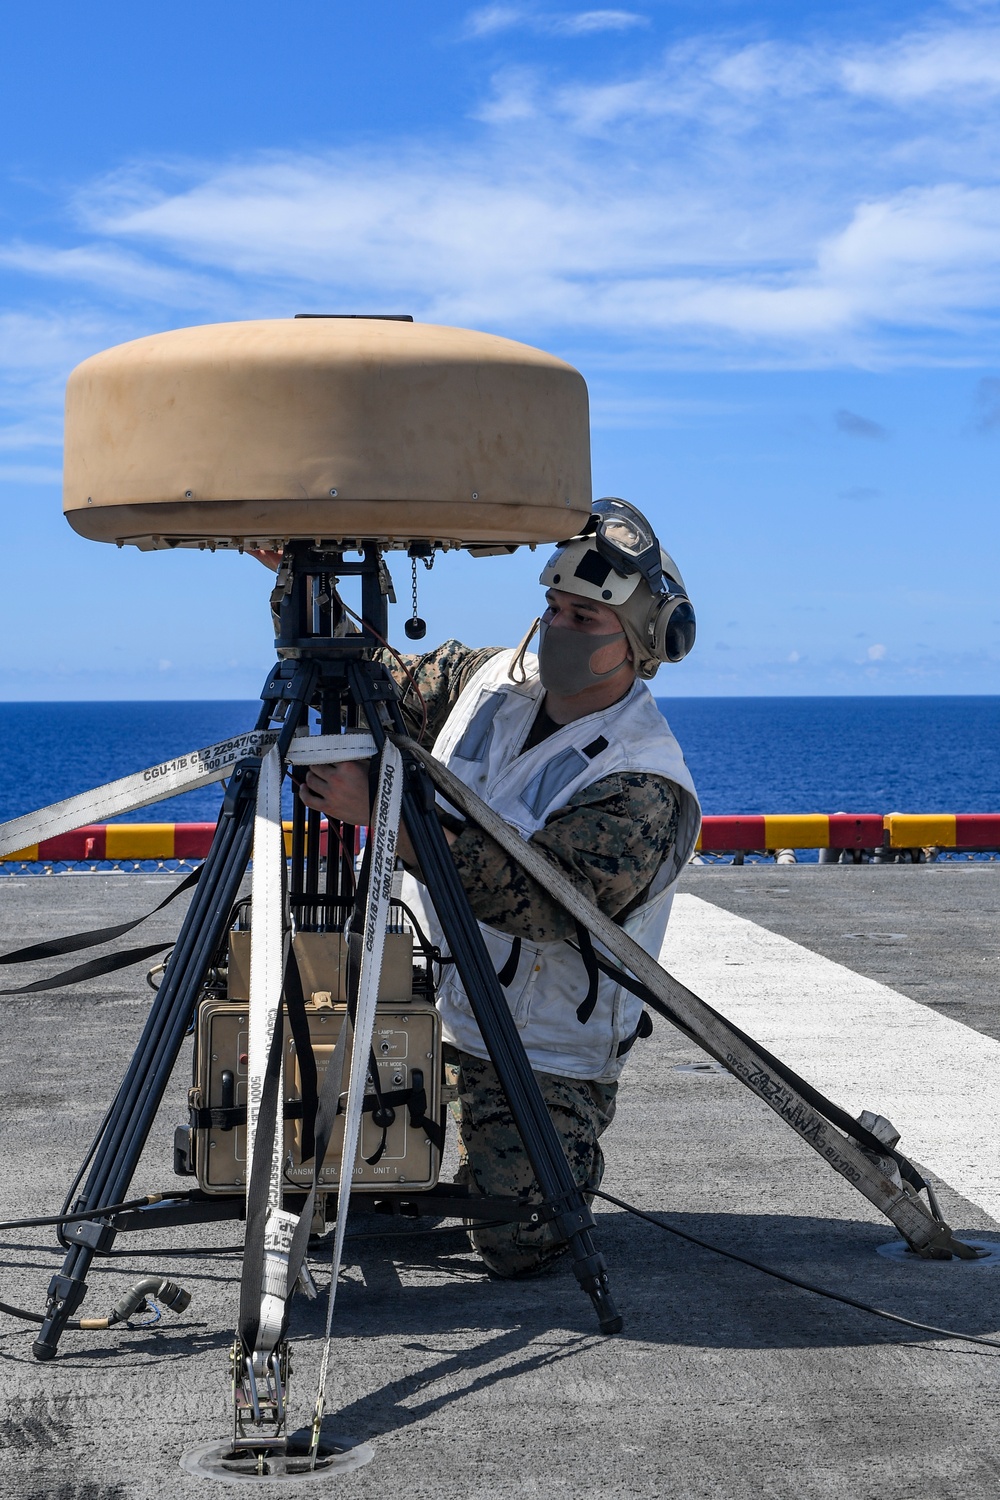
515	963
475	742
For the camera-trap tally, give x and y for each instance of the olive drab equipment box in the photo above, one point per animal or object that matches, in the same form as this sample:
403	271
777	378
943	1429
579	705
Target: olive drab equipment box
395	1149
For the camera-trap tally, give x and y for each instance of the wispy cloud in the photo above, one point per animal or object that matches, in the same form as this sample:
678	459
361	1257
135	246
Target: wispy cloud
45	431
110	269
490	20
37	352
727	204
860	427
988	405
938	60
859	492
551	239
29	474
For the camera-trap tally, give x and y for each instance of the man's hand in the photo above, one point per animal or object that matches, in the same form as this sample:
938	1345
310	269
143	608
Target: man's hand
341	791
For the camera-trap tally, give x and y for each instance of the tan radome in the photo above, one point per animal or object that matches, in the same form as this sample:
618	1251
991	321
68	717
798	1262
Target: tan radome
256	433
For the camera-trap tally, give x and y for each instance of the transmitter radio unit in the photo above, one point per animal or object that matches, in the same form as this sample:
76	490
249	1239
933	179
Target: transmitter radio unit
403	1125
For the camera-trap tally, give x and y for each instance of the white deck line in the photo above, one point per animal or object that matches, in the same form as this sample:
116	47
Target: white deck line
862	1043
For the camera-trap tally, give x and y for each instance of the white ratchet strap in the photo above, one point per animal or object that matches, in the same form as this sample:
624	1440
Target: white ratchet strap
710	1029
383	836
268	944
185	773
267	971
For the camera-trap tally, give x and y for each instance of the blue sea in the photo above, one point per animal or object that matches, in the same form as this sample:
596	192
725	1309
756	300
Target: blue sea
747	755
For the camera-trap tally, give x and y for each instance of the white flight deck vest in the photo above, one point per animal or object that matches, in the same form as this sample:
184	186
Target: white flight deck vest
479	744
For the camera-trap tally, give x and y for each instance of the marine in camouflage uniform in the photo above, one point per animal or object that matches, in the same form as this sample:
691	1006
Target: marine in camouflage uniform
610	840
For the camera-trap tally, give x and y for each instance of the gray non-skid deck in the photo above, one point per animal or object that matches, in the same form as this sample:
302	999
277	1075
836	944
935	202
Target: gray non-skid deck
724	1383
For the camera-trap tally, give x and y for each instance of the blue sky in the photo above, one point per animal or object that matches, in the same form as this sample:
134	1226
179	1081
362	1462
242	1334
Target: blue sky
770	239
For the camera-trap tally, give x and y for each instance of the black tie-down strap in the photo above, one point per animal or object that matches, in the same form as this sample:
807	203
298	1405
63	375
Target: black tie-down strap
819	1102
298	1025
415	1098
585	1009
509	969
96	967
383	1114
56	947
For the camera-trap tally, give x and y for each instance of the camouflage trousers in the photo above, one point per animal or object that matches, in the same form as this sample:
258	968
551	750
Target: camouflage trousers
493	1160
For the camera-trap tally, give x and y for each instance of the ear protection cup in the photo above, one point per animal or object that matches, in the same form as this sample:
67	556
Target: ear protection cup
671	627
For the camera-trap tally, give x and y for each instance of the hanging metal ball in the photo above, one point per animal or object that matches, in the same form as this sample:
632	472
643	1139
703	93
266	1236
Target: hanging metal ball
416	628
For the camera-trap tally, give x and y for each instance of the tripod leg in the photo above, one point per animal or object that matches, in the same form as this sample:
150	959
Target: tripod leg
572	1216
145	1079
139	1094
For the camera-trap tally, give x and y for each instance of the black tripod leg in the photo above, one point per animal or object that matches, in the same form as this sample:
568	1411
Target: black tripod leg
142	1087
489	1006
465	942
139	1094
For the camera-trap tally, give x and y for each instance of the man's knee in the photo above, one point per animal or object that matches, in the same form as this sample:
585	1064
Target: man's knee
495	1162
509	1252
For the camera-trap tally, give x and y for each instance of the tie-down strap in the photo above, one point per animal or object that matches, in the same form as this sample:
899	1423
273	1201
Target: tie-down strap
415	1099
185	773
740	1054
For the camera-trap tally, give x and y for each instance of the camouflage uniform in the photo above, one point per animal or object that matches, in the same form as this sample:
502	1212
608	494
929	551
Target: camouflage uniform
610	840
494	1163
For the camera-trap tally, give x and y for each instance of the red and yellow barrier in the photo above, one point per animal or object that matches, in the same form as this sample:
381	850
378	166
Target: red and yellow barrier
117	841
793	831
946	830
852	831
138	841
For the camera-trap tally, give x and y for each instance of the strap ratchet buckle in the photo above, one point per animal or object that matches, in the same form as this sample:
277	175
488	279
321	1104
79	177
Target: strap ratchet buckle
260	1386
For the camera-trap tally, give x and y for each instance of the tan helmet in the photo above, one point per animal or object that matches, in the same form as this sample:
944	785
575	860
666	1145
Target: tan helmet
618	561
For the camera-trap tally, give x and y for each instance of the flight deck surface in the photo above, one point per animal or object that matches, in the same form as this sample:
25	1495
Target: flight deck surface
876	982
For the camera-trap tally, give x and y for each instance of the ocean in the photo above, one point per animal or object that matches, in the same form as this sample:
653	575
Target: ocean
747	755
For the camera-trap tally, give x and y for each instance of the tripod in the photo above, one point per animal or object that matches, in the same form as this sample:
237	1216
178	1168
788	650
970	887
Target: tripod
319	667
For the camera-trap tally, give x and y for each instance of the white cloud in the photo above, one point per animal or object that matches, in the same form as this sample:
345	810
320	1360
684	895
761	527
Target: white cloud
556	242
42	432
110	269
938	61
876	653
587	22
34	343
489	20
727	204
654	411
29	474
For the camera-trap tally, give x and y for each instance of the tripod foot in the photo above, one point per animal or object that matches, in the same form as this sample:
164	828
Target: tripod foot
609	1319
66	1292
613	1321
592	1275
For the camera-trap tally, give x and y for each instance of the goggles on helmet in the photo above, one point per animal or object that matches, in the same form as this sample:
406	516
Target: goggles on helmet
625	539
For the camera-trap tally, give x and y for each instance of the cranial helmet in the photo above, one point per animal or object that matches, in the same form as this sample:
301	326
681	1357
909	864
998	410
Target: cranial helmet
618	561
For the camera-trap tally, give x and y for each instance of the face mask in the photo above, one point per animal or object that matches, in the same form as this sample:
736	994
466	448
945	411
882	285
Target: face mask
564	658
